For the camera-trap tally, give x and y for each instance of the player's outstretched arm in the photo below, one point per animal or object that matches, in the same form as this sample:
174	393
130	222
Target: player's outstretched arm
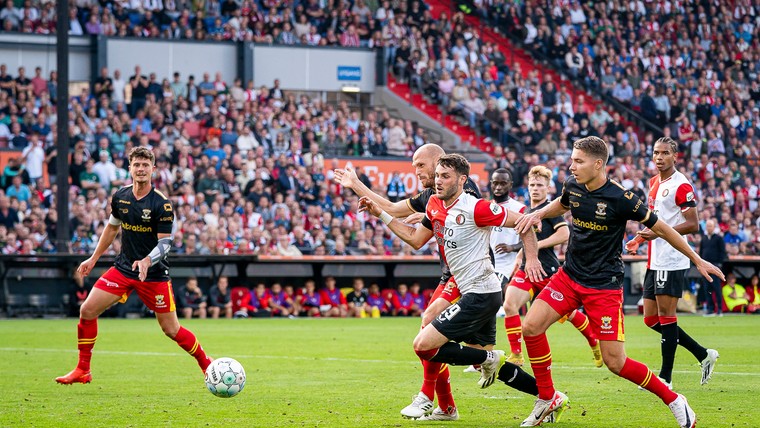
348	178
527	221
669	234
690	225
530	247
105	241
414	236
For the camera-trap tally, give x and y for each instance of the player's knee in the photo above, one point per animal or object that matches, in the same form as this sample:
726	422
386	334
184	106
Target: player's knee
170	330
88	312
511	307
614	363
530	327
651	321
426	354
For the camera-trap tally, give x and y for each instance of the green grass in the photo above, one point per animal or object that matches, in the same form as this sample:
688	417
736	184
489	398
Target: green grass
344	373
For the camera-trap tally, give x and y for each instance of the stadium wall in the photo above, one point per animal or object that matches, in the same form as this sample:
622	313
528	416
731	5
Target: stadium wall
34	50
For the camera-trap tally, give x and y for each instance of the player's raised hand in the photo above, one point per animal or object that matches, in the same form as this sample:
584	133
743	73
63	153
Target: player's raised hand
366	204
414	218
534	270
142	265
706	269
524	223
346	177
86	266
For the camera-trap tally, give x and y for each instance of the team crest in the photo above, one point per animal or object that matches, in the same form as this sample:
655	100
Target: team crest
601	209
146	215
160	300
665	192
556	295
460	219
606	323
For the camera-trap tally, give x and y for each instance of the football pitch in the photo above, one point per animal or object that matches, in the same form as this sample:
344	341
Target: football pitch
350	372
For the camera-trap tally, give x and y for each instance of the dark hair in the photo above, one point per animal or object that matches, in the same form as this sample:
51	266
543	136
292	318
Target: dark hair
594	146
503	171
143	153
457	162
670	141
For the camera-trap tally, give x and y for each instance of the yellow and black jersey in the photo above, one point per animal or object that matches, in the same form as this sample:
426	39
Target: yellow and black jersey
546	256
594	254
141	222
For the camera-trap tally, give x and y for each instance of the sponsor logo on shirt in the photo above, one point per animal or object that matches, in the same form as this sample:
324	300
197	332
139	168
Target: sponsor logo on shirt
136	228
556	295
590	225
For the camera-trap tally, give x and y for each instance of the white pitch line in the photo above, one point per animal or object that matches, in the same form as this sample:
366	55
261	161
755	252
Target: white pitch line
350	360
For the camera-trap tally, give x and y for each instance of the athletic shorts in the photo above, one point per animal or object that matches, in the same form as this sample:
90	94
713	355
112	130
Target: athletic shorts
157	296
521	281
664	282
471	320
604	308
448	291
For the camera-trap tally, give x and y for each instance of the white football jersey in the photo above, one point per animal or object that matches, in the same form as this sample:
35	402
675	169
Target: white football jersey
669	199
505	263
462	232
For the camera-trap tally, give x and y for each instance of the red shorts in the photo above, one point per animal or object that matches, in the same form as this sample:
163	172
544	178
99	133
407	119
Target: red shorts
448	291
604	308
157	296
521	281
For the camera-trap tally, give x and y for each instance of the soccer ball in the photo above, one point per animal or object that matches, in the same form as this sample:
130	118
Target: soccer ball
225	377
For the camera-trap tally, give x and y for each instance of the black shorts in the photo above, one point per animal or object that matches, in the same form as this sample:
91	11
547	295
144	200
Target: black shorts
471	320
664	282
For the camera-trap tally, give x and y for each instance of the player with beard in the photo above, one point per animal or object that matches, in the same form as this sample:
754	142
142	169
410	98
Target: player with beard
436	376
592	277
461	225
521	290
671	197
145	217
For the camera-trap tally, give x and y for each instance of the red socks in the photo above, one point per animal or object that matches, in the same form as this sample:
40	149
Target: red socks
580	321
514	333
540	356
639	374
430	371
187	341
443	389
87	333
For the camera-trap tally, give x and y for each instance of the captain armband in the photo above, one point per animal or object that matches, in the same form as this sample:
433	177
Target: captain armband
113	221
160	251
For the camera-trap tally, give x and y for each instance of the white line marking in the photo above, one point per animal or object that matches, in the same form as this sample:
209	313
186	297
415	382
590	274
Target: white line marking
355	360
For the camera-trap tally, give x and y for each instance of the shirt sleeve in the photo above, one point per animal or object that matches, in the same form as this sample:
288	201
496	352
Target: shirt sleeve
556	222
631	207
418	202
685	197
489	214
165	217
114	209
564	198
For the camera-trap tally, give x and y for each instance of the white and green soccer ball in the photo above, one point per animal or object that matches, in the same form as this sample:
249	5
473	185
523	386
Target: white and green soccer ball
225	377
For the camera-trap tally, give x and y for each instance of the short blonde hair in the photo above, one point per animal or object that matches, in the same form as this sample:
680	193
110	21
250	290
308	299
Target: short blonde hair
540	171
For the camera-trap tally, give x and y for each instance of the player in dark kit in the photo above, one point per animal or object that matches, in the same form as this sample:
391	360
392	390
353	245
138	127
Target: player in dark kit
671	197
521	289
592	276
145	217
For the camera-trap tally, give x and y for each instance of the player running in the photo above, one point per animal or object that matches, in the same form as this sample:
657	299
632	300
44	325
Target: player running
671	197
521	290
145	217
461	225
436	376
593	274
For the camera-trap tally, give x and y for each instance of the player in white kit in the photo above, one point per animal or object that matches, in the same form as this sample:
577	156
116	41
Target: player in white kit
461	225
505	242
671	197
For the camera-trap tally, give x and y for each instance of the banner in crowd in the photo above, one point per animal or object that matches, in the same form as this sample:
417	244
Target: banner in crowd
380	172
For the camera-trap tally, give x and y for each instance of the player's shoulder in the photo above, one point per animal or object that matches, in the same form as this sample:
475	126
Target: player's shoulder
681	178
471	188
653	180
124	193
615	189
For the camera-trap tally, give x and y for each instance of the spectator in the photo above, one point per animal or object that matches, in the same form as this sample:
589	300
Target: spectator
736	296
310	300
396	190
260	299
377	303
332	302
281	302
358	307
191	300
712	248
220	301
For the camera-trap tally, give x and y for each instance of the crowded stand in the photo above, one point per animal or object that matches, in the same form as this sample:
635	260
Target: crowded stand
248	166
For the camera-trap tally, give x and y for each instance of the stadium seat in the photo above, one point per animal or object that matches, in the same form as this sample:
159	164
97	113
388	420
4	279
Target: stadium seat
16	304
346	290
193	129
38	304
